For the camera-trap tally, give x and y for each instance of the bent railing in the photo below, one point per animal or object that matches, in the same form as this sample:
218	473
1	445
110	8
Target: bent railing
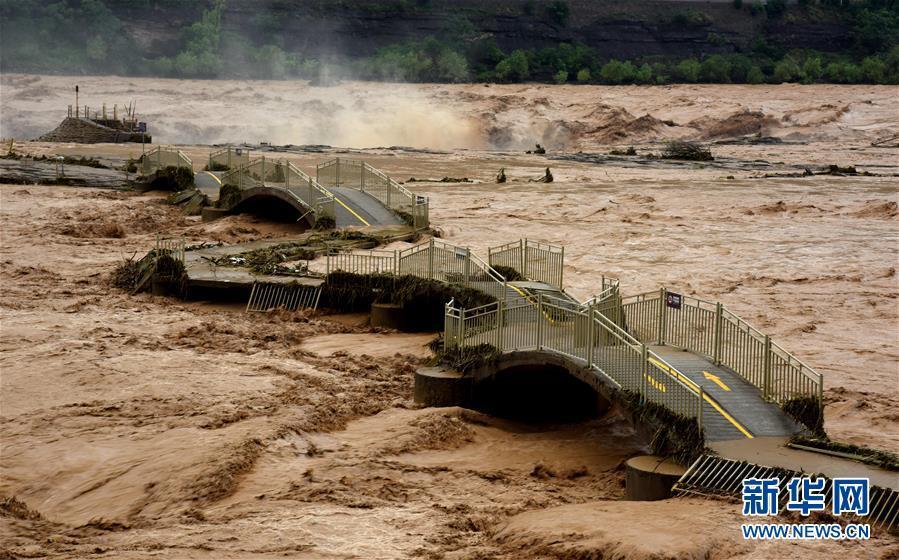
359	175
709	329
160	158
581	334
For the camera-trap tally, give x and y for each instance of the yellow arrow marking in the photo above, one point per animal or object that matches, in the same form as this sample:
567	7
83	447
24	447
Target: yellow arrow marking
716	380
708	399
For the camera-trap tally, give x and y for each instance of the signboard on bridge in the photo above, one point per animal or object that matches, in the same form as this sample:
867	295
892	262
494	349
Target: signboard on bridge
141	127
674	300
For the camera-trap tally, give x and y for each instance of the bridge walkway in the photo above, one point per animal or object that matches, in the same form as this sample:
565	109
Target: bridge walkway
741	411
356	208
732	408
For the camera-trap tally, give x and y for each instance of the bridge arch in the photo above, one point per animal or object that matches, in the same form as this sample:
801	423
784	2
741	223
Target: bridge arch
275	203
537	386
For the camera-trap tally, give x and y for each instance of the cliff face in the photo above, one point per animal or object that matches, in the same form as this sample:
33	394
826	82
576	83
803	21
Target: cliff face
618	30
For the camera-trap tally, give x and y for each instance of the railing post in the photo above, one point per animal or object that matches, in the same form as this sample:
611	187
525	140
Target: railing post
500	311
561	266
466	271
523	256
263	171
644	371
767	384
337	172
590	335
431	259
462	328
539	321
663	315
716	347
701	402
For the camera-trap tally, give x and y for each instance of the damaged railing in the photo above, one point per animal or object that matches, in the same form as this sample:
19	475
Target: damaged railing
582	334
709	329
359	175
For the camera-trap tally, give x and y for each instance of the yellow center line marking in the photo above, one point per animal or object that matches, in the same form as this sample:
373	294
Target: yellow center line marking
211	174
350	210
716	380
708	399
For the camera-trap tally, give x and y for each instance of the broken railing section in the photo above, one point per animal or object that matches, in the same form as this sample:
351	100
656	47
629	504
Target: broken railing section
269	296
534	260
433	260
711	330
282	174
582	334
711	475
161	157
356	174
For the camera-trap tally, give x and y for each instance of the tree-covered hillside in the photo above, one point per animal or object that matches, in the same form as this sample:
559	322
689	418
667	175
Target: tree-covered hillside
429	41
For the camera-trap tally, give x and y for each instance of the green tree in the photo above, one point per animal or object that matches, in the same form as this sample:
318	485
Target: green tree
561	77
617	72
812	69
874	70
583	75
715	69
787	71
842	73
558	12
514	67
451	66
688	70
755	75
643	74
96	49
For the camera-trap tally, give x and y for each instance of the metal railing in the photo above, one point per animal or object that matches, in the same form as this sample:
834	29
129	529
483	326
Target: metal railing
359	175
284	175
160	158
368	262
172	246
229	157
582	334
537	261
709	329
268	296
433	260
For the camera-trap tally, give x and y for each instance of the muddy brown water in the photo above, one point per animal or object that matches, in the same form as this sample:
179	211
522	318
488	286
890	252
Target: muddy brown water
141	426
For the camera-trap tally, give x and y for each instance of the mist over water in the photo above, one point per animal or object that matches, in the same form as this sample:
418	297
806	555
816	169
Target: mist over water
353	114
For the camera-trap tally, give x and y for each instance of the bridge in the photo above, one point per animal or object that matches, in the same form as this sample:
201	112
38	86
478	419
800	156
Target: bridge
344	192
693	357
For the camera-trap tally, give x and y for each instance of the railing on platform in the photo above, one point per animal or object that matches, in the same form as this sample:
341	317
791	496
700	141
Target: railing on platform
368	262
356	174
540	262
433	260
284	175
160	158
228	158
580	333
709	329
171	246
